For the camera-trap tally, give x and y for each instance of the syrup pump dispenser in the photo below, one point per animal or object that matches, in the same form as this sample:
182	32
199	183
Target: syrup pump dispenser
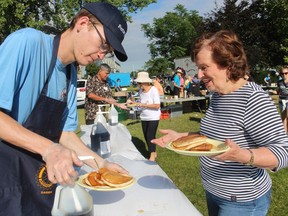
72	200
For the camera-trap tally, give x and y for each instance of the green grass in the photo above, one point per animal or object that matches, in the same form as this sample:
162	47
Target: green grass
184	171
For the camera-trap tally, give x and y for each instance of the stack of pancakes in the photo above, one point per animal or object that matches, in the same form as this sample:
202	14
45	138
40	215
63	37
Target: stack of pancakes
193	142
105	178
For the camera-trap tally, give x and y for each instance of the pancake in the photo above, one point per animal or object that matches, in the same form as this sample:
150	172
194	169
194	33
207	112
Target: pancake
94	179
115	179
105	178
202	147
188	142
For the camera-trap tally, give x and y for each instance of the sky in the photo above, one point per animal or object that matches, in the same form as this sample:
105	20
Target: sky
135	43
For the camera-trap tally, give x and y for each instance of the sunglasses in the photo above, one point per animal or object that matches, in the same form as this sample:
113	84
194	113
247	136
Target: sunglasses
285	73
105	47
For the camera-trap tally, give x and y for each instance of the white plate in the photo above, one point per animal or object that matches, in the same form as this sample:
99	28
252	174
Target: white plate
101	188
218	148
132	105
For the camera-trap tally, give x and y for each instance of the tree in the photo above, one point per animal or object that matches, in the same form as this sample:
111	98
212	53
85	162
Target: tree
157	66
51	16
261	25
92	69
277	30
245	20
171	36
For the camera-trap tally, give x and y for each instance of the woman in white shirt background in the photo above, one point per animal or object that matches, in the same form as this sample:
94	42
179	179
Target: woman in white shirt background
150	110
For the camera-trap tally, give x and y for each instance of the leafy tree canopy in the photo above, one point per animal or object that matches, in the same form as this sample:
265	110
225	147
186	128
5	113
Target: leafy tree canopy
262	26
157	66
52	16
171	36
92	69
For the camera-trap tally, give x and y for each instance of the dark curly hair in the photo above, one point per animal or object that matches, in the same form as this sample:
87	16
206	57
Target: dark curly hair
227	52
284	67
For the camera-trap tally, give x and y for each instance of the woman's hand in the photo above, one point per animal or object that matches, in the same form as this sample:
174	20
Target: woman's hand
235	153
169	136
261	157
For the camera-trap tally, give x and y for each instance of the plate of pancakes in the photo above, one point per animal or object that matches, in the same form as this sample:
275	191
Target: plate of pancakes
105	180
197	145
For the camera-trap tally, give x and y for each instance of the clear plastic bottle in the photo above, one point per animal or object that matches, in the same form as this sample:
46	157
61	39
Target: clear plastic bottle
113	116
100	137
100	140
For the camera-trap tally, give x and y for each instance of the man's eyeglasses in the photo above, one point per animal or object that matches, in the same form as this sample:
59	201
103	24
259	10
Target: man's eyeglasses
104	47
285	73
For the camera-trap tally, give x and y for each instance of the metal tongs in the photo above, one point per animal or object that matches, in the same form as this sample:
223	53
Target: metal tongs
82	158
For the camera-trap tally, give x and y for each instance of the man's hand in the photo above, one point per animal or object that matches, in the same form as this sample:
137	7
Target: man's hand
59	162
122	106
113	166
110	100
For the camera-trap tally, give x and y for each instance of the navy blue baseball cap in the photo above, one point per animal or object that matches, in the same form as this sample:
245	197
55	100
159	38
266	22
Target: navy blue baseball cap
115	27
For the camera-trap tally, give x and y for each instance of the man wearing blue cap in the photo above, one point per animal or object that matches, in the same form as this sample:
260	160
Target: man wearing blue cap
38	111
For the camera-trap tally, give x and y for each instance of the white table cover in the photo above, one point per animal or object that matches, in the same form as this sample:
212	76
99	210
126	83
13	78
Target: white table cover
153	194
120	139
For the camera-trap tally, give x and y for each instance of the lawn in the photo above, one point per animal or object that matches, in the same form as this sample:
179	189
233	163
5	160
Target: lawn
184	171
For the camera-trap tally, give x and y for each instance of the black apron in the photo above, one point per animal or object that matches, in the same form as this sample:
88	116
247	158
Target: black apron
24	185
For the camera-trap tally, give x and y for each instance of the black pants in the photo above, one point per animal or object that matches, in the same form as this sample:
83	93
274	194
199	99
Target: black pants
176	91
89	121
149	129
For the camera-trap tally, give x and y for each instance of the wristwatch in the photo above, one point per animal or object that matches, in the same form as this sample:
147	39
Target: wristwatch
251	161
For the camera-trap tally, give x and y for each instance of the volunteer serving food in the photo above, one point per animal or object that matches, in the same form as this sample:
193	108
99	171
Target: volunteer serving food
243	116
38	110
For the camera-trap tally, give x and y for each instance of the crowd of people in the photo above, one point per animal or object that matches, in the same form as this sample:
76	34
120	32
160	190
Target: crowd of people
38	114
254	147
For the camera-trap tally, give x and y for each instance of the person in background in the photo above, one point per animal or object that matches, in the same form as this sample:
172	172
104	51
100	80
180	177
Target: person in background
157	84
98	91
187	82
267	80
117	85
177	82
195	79
282	85
243	116
193	86
38	109
182	82
150	114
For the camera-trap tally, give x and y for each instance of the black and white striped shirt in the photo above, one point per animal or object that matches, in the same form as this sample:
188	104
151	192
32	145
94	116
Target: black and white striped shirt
248	117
